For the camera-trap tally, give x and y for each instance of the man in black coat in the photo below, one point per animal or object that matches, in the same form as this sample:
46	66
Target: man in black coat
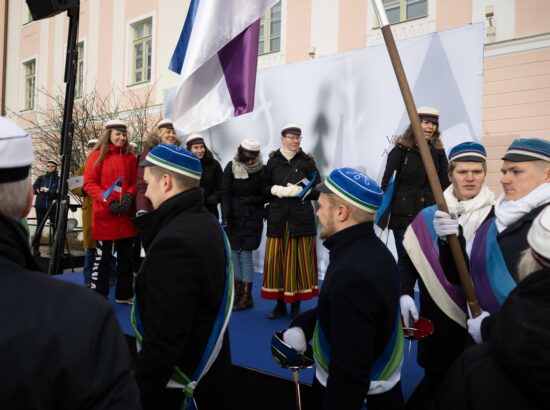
60	345
181	288
45	188
512	370
356	329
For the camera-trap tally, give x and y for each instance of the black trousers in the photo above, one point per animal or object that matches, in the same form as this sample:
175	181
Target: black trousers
40	216
101	271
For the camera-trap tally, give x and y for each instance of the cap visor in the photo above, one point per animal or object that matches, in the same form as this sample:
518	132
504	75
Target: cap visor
468	158
519	158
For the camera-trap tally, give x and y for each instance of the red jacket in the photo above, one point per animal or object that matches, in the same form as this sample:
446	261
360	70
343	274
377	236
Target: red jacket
97	179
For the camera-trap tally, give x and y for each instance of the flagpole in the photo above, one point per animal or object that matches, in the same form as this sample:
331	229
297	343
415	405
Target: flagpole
427	160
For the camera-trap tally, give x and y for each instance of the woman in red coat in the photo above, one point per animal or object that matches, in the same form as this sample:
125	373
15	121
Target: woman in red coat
110	180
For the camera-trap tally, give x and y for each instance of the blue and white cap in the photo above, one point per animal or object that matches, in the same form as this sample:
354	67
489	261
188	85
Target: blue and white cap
468	152
528	149
354	187
174	158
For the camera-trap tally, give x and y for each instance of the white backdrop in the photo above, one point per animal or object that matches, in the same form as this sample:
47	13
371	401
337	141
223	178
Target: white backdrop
350	108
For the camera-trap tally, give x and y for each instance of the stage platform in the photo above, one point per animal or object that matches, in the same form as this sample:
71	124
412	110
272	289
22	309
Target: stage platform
250	334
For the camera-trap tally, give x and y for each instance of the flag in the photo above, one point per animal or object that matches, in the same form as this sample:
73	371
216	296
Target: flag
117	186
382	215
308	185
216	57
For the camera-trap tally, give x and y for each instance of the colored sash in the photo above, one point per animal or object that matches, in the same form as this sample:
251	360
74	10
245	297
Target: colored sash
420	242
386	369
215	341
382	218
490	276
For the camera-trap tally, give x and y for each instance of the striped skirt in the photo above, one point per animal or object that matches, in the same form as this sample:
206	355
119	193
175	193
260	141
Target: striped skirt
290	268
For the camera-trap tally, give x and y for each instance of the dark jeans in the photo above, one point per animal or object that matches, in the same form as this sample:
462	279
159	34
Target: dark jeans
398	235
102	268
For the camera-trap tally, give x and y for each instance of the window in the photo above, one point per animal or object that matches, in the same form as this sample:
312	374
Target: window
141	51
402	10
29	68
79	86
270	30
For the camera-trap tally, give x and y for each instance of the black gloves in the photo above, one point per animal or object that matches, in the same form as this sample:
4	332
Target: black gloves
122	206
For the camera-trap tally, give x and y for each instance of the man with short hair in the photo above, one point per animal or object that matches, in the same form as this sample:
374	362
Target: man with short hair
525	180
46	190
442	299
183	289
356	328
60	345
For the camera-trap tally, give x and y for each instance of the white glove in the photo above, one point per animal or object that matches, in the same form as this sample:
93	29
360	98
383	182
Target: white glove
292	190
295	338
474	325
141	212
277	190
408	309
445	224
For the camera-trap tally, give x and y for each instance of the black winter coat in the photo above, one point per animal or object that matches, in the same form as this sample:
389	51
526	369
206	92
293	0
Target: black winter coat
60	346
412	189
357	308
179	289
298	213
512	371
211	182
49	180
242	209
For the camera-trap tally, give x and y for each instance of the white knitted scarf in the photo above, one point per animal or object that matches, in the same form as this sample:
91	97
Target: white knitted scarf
288	154
241	170
508	212
472	212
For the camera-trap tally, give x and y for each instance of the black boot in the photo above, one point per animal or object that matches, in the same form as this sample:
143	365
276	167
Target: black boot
280	310
295	310
238	292
245	301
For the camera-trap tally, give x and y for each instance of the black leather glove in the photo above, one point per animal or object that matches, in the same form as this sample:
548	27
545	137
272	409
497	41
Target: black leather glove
126	202
115	207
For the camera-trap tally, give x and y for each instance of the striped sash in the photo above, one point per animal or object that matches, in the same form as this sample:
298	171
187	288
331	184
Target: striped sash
385	371
215	341
491	278
420	242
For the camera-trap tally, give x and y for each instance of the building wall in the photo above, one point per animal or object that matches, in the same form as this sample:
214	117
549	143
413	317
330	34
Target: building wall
517	53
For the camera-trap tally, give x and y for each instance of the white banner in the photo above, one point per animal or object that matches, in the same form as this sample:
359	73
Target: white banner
350	108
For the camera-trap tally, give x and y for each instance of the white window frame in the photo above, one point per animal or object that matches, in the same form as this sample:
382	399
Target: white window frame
28	100
267	35
132	57
79	80
402	4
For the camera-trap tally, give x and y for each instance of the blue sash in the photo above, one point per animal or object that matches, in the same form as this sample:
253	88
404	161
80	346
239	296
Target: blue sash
490	276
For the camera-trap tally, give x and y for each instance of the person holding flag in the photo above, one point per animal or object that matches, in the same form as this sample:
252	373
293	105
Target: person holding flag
356	328
290	263
184	290
442	299
110	178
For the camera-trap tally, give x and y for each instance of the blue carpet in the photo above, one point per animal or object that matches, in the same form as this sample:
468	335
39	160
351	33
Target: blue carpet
250	333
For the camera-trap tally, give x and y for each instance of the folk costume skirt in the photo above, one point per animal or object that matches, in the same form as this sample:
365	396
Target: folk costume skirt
290	268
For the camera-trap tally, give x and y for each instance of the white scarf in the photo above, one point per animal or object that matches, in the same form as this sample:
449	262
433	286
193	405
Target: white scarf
288	154
508	212
472	212
241	170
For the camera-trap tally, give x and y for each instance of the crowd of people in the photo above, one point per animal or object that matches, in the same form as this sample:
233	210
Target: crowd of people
198	268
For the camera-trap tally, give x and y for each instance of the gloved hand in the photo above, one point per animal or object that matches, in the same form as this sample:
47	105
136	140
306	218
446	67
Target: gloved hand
408	309
115	207
474	325
292	190
126	202
295	338
277	190
445	224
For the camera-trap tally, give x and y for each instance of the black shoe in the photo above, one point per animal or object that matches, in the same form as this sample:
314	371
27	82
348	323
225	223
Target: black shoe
280	310
35	252
295	310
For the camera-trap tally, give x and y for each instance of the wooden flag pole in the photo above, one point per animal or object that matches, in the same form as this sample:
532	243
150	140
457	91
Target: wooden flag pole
435	185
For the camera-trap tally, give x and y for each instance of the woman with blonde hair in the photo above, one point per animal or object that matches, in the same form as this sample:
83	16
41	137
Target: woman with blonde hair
110	180
165	134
